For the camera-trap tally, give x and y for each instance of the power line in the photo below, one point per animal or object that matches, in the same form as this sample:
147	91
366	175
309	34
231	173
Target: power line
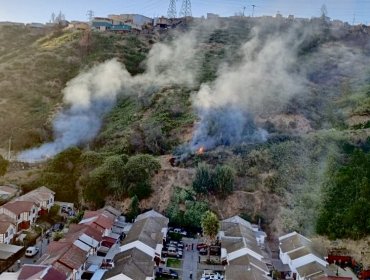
172	13
186	9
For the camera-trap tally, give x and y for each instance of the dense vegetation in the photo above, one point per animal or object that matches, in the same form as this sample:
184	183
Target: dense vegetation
301	171
346	203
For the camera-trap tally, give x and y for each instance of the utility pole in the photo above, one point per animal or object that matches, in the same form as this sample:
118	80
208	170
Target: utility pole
172	13
253	6
90	15
354	19
244	11
186	9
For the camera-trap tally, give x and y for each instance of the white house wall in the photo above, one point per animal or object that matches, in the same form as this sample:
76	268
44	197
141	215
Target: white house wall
139	245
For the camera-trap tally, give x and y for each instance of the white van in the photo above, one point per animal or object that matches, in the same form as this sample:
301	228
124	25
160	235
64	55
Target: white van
31	251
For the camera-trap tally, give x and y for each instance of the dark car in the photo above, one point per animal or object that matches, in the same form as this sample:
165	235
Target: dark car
166	273
58	227
203	251
201	246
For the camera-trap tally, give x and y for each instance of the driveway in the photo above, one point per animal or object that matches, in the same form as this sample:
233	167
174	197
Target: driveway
190	259
31	260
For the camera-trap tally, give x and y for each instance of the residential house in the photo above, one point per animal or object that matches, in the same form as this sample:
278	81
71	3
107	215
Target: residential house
65	257
33	272
135	19
240	251
42	197
84	237
22	213
9	254
141	249
101	23
101	220
7	229
304	262
8	192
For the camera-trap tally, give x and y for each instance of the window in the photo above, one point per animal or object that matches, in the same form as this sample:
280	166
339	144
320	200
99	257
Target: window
6	234
19	216
33	211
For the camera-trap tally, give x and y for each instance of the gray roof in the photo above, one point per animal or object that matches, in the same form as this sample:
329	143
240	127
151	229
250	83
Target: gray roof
151	214
132	263
310	270
7	250
148	231
294	242
243	272
238	230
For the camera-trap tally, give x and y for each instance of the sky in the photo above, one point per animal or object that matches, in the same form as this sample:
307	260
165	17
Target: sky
352	11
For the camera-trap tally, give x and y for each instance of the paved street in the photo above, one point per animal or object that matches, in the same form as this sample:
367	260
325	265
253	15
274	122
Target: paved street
34	259
190	259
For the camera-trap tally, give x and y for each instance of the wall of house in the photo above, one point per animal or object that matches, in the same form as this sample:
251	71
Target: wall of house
8	238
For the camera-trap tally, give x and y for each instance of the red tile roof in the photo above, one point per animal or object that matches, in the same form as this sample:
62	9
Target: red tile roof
4	226
75	231
103	219
44	272
73	258
18	207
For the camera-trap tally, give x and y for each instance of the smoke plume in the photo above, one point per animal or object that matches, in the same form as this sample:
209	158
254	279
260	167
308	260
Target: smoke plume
263	81
93	93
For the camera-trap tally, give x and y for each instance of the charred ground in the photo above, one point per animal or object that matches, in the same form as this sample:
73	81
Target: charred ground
312	133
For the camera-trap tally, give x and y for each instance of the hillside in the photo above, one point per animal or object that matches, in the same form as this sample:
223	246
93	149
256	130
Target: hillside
243	116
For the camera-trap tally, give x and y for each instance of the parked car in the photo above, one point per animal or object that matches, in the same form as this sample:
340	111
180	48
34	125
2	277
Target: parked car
201	246
180	231
210	275
203	251
57	227
31	251
166	273
172	251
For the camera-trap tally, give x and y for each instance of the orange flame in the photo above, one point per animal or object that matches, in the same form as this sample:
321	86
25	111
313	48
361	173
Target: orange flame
201	151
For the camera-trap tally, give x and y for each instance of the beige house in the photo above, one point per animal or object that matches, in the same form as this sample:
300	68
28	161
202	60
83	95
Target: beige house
42	197
7	229
22	213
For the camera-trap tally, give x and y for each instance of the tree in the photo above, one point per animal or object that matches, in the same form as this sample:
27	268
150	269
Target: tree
224	179
3	165
210	227
203	179
134	208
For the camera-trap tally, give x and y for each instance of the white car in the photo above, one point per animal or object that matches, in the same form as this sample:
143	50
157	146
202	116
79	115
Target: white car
210	275
31	251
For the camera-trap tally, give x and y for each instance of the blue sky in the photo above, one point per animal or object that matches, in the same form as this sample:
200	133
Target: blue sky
40	10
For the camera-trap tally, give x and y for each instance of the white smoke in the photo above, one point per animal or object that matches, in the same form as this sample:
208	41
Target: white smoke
92	94
263	81
88	97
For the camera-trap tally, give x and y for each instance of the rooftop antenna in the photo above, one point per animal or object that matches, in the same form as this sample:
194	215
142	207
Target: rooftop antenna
186	9
253	6
172	13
